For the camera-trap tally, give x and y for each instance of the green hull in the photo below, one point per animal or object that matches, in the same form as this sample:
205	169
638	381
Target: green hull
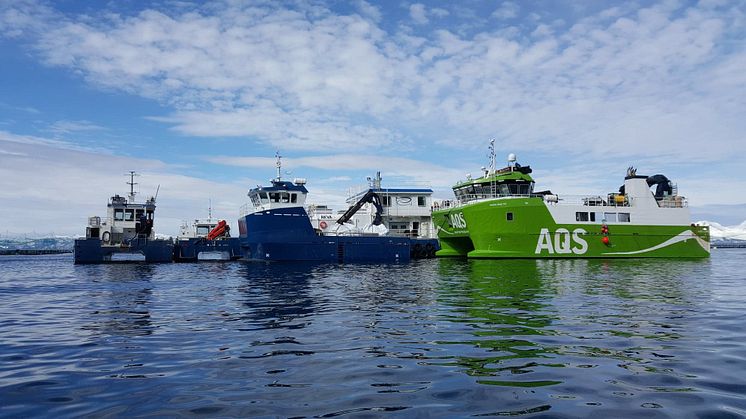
482	229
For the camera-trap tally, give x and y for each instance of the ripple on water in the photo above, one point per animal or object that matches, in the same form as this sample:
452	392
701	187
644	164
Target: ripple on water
452	338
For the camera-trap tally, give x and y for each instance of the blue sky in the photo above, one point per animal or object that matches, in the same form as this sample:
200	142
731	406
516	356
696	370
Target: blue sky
199	97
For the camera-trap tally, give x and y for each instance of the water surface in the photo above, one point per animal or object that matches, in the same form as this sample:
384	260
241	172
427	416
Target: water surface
448	337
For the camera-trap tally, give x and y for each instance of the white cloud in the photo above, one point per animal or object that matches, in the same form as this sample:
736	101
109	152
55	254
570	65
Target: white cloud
411	169
622	84
418	13
507	10
66	127
368	10
62	186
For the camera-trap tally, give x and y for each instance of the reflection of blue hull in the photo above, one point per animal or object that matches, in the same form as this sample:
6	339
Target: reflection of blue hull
153	251
194	249
286	234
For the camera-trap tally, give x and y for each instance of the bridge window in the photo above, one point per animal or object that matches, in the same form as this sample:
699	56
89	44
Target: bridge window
593	216
139	213
581	216
610	217
285	197
129	215
263	197
118	214
274	196
421	201
293	198
623	217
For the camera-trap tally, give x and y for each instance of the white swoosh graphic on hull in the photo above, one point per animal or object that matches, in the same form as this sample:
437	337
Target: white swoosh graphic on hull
683	236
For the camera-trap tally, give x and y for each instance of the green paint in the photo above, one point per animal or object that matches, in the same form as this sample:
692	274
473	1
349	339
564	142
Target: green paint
487	232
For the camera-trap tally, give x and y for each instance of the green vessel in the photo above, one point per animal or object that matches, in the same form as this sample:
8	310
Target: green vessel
499	215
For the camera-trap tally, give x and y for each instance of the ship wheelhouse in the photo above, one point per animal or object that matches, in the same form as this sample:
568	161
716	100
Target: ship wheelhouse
282	194
507	182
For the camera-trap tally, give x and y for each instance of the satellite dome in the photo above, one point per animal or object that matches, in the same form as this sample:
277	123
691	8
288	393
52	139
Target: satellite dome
511	158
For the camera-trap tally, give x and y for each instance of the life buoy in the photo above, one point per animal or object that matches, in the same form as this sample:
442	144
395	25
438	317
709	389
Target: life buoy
323	225
106	237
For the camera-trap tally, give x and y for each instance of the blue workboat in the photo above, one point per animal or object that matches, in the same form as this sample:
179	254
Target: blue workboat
275	226
126	234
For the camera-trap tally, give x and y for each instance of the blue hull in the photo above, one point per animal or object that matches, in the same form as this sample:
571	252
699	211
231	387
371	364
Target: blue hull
195	249
286	234
89	251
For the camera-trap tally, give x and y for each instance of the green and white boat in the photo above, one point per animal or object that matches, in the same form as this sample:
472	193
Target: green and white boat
499	215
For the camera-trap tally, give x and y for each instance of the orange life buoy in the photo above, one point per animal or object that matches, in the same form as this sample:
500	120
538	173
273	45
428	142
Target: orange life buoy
323	225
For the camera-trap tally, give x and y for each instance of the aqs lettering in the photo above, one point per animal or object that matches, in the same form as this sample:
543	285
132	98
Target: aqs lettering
562	242
457	220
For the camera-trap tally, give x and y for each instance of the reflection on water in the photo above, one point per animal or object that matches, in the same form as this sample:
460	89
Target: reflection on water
449	337
503	304
119	301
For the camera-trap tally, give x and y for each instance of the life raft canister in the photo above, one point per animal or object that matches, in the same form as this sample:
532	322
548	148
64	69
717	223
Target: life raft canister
323	225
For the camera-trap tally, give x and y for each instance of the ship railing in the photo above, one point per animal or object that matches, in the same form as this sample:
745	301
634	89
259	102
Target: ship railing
673	202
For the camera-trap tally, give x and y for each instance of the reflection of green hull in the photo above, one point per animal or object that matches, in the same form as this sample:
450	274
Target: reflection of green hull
482	230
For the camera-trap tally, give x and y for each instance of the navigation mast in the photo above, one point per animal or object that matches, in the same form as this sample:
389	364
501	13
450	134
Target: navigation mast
132	184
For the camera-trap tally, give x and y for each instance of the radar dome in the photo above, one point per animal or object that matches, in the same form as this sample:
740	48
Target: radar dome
511	158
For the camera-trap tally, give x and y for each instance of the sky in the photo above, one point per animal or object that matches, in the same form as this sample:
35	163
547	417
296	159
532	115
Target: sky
197	98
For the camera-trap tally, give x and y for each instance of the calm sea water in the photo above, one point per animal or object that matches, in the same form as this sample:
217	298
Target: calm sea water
448	338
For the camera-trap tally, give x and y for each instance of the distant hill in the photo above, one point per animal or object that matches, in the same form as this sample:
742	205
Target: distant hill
45	243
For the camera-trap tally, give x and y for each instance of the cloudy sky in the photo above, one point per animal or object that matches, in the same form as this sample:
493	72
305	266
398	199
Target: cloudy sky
198	98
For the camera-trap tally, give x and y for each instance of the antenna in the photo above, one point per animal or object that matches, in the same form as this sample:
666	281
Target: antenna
209	209
492	155
279	165
132	184
156	192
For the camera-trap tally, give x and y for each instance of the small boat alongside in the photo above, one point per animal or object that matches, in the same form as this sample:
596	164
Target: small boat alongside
499	215
207	239
126	234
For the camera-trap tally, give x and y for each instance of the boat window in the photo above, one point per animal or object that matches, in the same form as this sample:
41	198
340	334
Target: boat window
623	217
274	196
593	216
509	216
202	230
386	201
119	214
523	189
285	197
139	213
421	201
581	216
293	198
610	217
263	197
150	214
504	190
129	215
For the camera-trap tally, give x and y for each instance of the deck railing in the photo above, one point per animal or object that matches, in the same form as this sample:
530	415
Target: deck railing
611	200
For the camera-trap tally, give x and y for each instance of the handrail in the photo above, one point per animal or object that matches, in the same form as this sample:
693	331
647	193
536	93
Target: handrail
577	200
